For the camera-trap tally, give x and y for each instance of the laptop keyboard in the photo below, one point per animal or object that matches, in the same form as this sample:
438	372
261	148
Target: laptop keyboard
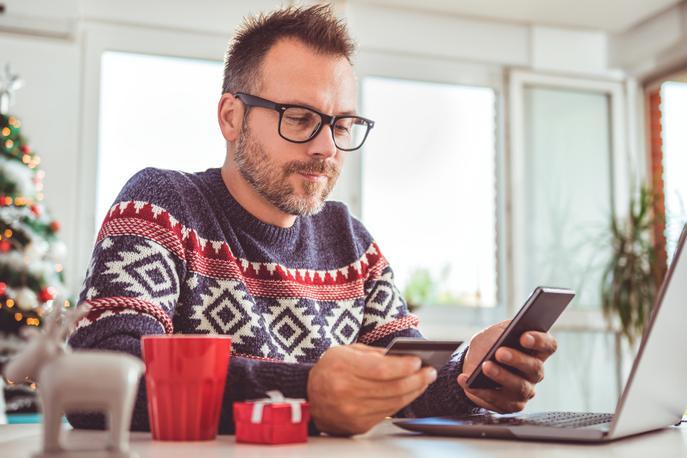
554	419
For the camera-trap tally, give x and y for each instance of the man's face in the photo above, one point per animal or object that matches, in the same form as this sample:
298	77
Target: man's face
295	178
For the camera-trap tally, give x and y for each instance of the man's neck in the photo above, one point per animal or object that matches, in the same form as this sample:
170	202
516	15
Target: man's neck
251	200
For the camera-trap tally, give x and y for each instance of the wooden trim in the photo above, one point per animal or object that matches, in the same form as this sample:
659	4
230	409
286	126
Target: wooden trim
657	185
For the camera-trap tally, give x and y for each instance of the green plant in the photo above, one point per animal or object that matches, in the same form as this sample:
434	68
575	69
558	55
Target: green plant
629	282
420	289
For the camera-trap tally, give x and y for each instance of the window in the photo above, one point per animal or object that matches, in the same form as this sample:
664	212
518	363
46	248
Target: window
569	169
155	112
674	113
429	186
567	190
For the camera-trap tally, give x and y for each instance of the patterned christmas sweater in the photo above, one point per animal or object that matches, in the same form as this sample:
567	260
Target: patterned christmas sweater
176	253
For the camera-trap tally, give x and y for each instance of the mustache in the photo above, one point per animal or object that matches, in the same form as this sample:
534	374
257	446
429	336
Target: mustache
314	167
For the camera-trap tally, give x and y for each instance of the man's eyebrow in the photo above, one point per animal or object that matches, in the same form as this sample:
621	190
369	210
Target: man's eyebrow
307	105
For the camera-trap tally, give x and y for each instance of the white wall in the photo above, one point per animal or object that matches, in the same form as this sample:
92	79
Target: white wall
429	34
569	51
653	47
409	32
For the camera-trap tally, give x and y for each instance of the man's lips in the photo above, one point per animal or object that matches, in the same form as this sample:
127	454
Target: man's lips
313	176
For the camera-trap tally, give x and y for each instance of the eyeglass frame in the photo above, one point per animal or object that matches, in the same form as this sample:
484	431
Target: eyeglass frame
325	119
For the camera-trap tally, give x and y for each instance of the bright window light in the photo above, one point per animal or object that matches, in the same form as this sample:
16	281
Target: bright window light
674	109
566	194
429	189
155	112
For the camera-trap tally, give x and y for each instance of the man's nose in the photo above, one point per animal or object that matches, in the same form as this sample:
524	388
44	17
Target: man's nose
323	143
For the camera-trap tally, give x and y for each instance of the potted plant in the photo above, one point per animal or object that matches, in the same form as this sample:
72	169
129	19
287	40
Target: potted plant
630	280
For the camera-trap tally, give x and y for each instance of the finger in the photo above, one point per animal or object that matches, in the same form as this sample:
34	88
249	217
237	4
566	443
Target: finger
391	406
531	367
372	413
372	389
489	399
375	366
542	343
362	407
496	400
513	389
513	386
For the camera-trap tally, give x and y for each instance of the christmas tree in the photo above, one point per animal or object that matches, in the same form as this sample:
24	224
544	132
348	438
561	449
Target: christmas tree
31	254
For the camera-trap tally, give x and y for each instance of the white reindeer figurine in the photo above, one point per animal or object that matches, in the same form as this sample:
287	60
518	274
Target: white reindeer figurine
83	381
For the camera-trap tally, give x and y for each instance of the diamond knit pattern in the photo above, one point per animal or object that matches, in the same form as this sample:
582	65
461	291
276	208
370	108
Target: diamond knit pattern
177	254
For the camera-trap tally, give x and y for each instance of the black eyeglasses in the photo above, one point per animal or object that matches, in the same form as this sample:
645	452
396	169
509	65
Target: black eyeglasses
299	124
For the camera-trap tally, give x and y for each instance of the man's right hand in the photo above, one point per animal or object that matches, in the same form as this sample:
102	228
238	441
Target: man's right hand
354	387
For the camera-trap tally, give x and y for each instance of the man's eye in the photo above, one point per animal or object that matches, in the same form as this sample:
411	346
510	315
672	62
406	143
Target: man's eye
342	130
297	119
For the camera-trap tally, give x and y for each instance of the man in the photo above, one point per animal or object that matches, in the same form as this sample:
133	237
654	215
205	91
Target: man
252	250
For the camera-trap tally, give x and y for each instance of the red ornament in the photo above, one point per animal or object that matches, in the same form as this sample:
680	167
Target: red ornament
25	149
55	226
5	246
36	210
46	294
3	288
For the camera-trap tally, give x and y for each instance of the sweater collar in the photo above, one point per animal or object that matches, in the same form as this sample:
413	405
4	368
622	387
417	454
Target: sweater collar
244	219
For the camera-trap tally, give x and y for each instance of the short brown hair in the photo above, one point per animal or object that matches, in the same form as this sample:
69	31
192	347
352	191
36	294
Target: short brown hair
316	26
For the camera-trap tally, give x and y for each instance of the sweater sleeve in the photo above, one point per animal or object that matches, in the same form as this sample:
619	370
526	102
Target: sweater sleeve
386	317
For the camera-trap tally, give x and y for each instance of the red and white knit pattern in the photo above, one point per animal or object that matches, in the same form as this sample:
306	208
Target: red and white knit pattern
214	258
235	296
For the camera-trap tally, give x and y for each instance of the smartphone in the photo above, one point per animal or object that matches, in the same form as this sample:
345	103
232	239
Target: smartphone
435	353
541	309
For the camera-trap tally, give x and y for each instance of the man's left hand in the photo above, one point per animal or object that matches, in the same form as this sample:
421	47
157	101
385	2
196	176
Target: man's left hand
516	389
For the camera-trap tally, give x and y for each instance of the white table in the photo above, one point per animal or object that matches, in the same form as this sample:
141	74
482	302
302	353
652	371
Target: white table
385	440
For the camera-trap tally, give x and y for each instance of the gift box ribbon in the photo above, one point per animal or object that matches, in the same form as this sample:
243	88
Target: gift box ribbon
275	397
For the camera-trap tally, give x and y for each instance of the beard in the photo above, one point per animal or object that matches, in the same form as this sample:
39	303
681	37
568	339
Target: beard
271	180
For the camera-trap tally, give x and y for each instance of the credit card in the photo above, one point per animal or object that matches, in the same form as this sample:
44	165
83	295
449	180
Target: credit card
435	353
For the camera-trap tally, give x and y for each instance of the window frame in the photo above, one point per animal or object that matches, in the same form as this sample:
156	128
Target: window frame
652	97
621	161
372	63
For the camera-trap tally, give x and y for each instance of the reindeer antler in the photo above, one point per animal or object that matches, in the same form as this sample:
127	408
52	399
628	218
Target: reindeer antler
53	319
72	317
58	324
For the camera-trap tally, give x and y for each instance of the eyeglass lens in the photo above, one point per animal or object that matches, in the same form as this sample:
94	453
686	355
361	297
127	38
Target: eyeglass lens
300	124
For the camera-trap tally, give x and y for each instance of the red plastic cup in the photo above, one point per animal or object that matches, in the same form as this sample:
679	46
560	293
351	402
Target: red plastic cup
185	379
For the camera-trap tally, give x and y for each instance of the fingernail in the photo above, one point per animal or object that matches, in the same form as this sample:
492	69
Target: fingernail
432	375
529	340
506	355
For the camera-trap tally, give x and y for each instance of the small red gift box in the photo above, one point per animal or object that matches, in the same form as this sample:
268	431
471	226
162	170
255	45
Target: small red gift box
275	420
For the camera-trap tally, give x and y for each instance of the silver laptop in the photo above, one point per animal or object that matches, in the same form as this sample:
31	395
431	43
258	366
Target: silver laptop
655	396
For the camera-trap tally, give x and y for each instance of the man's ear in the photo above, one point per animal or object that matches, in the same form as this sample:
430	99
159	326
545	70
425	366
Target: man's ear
230	116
